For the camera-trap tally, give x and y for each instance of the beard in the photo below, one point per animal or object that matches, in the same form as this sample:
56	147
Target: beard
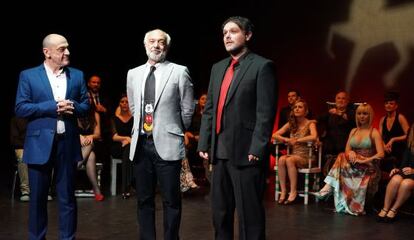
156	57
235	50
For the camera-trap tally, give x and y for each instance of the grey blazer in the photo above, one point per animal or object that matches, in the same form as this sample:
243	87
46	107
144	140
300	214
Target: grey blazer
174	107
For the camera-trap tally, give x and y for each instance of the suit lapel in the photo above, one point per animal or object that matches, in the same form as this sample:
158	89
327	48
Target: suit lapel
236	81
139	85
69	83
162	82
45	82
219	76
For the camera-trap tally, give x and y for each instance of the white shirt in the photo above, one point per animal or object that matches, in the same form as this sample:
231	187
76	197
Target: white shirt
58	82
159	70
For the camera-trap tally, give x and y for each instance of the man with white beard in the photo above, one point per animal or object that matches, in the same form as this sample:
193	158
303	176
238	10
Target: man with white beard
160	97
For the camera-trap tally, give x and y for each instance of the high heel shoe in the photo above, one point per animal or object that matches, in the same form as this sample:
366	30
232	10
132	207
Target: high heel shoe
391	219
384	217
323	195
291	201
99	197
282	199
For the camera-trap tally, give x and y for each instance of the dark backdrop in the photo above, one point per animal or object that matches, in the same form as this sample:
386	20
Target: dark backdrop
108	40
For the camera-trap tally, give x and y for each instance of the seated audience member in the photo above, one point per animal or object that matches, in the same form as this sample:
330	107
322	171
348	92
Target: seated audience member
89	129
17	135
186	177
401	185
393	128
122	123
302	130
284	114
191	138
102	104
334	128
355	173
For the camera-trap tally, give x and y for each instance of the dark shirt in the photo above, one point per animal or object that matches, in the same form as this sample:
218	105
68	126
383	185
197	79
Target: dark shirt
335	130
283	116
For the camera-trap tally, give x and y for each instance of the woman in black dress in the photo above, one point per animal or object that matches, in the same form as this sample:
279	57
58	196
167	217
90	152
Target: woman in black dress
401	185
122	123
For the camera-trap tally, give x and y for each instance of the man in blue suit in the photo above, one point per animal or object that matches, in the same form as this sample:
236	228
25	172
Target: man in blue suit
52	96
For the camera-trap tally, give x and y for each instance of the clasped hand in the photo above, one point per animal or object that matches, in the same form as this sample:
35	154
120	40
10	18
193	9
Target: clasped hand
388	147
404	171
65	107
292	141
407	171
86	140
354	158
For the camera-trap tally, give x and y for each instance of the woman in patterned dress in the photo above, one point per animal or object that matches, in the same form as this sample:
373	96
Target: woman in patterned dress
357	167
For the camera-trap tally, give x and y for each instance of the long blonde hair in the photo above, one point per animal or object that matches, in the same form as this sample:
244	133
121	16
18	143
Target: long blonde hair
365	107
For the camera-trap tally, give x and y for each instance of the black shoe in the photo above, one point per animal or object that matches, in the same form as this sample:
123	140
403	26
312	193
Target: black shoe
391	219
290	202
382	218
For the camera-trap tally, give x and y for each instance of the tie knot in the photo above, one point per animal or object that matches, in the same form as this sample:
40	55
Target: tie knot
233	62
152	69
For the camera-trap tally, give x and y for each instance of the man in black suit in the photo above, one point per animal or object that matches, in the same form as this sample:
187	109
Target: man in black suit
235	131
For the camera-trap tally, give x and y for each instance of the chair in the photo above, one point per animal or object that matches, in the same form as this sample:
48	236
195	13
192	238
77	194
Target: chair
314	148
114	166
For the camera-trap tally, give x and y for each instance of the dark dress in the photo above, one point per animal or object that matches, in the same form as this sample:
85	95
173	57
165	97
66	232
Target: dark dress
117	151
393	159
86	125
408	161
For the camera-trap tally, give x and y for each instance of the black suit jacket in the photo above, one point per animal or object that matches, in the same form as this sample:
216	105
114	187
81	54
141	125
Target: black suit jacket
249	111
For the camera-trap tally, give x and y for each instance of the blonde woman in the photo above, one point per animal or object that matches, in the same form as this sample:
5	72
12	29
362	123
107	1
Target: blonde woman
401	185
302	130
354	169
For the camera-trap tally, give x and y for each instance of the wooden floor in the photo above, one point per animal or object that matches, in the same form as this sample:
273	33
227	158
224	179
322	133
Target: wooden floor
115	218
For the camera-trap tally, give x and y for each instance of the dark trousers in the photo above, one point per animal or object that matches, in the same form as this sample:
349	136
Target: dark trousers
240	188
148	169
126	170
39	179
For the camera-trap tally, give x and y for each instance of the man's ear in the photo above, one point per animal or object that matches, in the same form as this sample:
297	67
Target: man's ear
46	52
248	36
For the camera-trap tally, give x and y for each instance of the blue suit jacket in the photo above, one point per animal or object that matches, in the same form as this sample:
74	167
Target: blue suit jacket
35	101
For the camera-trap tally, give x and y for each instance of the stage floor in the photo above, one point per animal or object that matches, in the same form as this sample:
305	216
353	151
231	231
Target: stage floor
115	218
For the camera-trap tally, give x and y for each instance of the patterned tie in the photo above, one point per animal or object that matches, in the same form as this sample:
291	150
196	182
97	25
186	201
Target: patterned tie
228	77
149	100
